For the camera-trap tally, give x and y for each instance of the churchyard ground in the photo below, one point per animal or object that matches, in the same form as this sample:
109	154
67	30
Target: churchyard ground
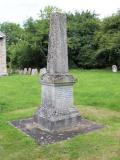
96	96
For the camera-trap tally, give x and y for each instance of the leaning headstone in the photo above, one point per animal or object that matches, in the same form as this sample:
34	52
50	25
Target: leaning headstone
114	68
29	71
3	68
57	111
25	71
43	71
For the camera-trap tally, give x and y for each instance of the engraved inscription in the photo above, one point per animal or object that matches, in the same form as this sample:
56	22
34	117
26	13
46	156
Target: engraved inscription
64	92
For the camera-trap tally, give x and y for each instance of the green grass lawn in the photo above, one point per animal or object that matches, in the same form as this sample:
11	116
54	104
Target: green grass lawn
96	96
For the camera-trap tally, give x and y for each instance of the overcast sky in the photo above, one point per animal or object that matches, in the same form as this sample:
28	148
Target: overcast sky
19	10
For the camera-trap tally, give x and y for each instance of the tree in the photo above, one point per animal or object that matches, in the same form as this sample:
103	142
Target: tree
81	31
14	34
108	42
46	12
91	42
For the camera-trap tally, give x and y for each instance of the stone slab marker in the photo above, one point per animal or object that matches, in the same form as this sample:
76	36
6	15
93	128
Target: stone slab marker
29	71
57	111
3	68
114	68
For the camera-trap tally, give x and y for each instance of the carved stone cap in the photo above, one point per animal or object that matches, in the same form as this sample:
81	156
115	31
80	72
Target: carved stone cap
57	79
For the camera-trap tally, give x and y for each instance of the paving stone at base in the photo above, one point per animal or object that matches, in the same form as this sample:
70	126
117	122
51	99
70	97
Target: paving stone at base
43	137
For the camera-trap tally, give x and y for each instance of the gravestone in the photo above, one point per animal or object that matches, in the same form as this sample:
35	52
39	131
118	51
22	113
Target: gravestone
29	71
57	111
3	68
34	72
21	72
25	71
43	71
114	68
56	119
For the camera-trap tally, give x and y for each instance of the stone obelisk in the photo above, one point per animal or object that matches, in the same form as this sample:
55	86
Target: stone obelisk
3	68
57	111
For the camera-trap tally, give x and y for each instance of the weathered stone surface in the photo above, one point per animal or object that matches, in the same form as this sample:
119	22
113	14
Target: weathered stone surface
3	68
43	71
114	68
29	71
57	111
44	138
34	72
57	62
57	79
25	71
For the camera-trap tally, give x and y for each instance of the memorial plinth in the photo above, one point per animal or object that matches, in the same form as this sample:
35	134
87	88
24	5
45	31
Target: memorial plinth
57	111
3	68
57	119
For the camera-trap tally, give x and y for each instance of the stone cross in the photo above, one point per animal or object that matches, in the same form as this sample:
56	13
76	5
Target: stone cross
3	68
57	111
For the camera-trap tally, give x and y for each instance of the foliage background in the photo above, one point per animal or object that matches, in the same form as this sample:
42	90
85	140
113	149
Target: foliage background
92	42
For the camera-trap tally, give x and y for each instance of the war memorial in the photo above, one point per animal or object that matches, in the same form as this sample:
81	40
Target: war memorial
57	118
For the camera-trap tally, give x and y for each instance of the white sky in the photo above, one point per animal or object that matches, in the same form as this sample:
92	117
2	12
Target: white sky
19	10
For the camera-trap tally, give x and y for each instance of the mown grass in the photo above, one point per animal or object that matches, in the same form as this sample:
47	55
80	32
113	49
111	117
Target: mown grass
97	97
